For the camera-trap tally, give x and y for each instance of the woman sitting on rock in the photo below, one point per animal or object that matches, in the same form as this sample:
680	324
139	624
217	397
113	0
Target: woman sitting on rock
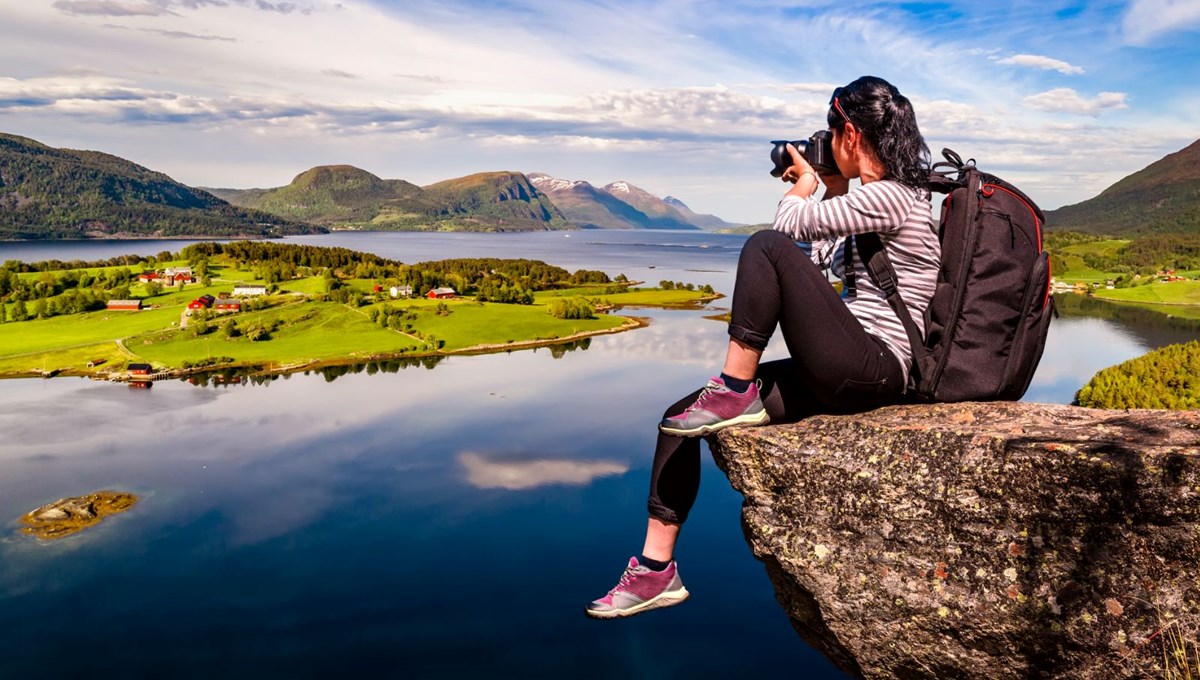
848	352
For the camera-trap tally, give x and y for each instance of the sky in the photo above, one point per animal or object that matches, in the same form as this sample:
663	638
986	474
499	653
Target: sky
679	97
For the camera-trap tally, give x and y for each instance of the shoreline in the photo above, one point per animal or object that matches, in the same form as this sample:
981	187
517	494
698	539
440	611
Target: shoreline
1144	302
631	323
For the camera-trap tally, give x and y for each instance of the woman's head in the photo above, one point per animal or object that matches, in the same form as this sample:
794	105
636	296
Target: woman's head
886	121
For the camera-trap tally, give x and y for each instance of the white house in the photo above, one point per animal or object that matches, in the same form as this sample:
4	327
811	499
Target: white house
249	290
401	291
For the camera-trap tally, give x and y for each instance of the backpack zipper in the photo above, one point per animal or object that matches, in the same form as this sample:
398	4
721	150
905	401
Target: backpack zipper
988	189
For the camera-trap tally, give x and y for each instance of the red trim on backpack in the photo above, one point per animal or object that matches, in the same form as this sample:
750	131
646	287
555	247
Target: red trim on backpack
1049	278
1036	222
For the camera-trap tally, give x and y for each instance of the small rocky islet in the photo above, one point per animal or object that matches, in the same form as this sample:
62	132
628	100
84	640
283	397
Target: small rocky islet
68	516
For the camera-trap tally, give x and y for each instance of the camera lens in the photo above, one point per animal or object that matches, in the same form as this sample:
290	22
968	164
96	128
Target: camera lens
780	156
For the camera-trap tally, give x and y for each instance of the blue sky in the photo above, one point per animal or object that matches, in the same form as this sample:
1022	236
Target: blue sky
678	97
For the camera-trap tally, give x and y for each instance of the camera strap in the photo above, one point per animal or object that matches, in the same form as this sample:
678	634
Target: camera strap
850	290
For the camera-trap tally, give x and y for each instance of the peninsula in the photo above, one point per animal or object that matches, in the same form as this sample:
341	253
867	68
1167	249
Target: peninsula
282	307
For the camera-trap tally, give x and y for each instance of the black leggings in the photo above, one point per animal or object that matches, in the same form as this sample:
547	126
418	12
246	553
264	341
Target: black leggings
835	365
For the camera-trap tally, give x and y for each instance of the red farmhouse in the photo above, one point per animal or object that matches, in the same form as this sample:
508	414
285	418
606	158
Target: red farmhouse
202	302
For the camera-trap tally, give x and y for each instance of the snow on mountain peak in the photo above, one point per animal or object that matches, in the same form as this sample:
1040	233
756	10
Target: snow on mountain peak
548	183
619	186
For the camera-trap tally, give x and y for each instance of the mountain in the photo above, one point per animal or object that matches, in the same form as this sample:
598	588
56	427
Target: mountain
63	193
508	199
710	222
1163	197
345	196
662	216
620	205
589	207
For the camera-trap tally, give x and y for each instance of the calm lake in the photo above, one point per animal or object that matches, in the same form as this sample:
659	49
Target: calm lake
449	520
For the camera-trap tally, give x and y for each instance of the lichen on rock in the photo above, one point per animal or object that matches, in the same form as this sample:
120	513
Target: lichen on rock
68	516
1001	540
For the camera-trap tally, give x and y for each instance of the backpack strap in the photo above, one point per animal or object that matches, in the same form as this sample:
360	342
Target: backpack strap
946	176
879	266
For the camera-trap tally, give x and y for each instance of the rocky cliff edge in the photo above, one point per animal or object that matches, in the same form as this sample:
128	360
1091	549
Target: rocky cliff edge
997	540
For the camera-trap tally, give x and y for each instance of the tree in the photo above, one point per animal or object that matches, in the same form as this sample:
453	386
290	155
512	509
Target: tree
19	312
257	333
570	308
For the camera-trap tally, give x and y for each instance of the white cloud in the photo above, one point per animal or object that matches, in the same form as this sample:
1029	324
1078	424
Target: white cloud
1040	62
110	8
1146	20
514	475
1066	100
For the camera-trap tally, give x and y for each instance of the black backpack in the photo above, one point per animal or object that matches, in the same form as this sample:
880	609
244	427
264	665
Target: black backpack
987	322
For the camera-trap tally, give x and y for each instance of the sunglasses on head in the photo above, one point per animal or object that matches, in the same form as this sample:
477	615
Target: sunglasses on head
837	105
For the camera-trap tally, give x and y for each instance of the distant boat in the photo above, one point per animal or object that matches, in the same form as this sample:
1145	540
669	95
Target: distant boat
650	267
566	236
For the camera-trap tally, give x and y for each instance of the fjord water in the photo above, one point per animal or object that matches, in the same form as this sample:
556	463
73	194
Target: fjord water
442	521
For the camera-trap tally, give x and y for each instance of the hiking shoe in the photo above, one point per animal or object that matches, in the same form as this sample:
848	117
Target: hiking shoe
716	408
640	589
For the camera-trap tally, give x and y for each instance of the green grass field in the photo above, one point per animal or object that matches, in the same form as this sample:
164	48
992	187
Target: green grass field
75	359
633	297
1174	293
470	324
305	331
1077	270
61	332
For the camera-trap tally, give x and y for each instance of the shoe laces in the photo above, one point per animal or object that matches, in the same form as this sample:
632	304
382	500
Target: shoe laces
626	579
708	390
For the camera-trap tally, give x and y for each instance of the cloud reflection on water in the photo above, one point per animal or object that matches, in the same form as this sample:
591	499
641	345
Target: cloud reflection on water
488	471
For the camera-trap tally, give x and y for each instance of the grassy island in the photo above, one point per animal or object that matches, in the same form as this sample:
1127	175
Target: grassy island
281	307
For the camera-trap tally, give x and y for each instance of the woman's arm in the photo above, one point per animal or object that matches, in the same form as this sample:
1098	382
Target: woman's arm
876	206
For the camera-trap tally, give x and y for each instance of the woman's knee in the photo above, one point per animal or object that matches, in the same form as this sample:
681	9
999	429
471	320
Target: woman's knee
766	240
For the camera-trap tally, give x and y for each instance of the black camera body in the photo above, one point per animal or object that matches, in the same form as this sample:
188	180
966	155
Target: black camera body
817	150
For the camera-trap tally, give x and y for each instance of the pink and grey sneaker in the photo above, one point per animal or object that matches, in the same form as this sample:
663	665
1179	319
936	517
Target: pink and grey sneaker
716	408
639	590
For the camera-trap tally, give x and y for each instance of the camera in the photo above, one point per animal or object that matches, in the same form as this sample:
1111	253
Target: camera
817	150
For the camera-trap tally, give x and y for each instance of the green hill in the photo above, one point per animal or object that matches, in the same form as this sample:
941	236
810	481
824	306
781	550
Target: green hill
345	196
329	195
1164	378
63	193
1163	197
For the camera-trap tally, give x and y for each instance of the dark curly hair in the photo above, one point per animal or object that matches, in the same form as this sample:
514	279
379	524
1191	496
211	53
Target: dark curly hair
887	120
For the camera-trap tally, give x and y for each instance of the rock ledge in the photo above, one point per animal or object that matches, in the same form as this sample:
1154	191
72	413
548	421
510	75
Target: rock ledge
997	540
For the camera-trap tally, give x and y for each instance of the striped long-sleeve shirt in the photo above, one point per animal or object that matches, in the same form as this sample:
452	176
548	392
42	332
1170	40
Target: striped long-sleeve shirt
904	220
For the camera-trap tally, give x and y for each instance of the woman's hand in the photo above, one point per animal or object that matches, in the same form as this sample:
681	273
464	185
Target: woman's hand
799	174
799	166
